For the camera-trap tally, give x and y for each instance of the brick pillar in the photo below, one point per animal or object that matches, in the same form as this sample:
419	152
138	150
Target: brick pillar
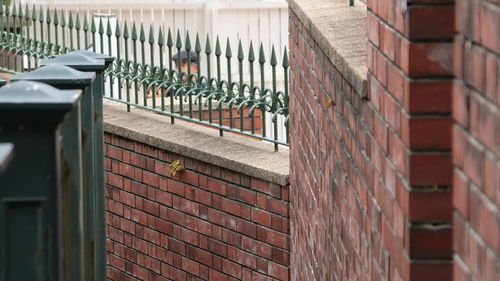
476	138
410	62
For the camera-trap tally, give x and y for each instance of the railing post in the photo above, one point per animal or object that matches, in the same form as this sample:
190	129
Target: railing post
83	62
31	240
63	77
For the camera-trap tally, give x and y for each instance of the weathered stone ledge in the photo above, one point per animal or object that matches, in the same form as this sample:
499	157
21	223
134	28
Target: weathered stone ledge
340	31
240	154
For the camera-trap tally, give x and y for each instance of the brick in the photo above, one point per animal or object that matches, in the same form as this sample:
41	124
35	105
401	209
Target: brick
256	247
430	169
461	194
490	20
261	217
431	22
277	271
231	268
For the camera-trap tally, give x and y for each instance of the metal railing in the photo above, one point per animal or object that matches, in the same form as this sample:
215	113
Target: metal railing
211	96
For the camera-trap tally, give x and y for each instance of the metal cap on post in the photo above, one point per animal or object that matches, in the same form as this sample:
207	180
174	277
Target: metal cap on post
107	59
77	159
6	153
32	231
85	63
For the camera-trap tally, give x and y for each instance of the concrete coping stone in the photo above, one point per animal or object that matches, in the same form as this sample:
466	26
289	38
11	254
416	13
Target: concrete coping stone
340	31
237	153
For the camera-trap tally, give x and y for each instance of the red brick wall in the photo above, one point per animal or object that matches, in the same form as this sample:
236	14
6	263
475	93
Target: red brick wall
206	223
371	179
476	136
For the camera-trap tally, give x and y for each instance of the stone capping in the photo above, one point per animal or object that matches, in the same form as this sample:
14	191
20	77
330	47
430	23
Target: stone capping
340	31
237	153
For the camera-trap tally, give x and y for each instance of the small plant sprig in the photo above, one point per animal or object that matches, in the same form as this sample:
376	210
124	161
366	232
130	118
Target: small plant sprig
176	167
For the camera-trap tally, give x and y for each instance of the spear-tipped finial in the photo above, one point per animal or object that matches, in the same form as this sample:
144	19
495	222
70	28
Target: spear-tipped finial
118	32
109	32
125	31
251	54
85	24
218	51
274	61
71	23
170	41
262	57
229	54
208	47
101	26
178	41
142	35
197	44
286	63
151	35
188	42
241	56
161	39
134	32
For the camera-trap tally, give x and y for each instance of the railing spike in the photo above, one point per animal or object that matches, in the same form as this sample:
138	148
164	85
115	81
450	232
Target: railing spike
208	47
56	17
109	32
251	54
188	42
20	11
229	54
71	23
27	14
161	39
125	31
262	57
77	22
33	13
14	10
85	24
118	32
151	35
197	45
241	55
41	17
101	26
93	28
274	61
7	9
218	51
178	42
47	16
170	41
142	36
134	32
286	63
63	19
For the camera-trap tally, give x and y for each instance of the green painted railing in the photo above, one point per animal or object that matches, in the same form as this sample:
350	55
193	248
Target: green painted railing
245	105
